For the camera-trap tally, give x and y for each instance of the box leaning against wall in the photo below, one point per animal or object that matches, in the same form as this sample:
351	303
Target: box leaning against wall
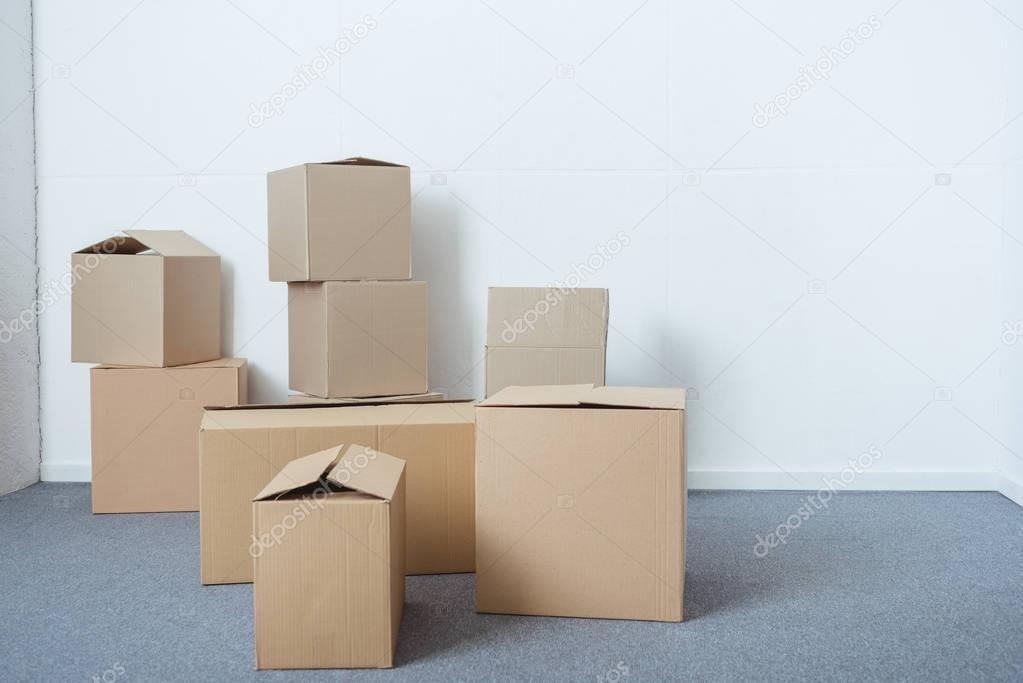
340	220
357	339
145	432
545	335
329	579
150	298
240	450
581	502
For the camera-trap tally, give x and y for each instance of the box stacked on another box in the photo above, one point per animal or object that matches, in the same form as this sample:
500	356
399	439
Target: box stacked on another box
340	235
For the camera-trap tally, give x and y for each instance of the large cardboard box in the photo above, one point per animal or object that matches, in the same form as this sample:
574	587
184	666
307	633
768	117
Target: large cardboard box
341	220
329	561
357	339
150	299
581	502
240	450
428	397
545	335
145	432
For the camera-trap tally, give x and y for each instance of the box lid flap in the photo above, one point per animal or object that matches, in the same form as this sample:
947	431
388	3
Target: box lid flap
171	242
362	161
587	395
301	472
367	470
118	244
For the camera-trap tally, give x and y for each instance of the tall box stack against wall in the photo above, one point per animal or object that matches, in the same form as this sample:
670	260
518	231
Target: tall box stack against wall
145	432
545	335
581	502
149	299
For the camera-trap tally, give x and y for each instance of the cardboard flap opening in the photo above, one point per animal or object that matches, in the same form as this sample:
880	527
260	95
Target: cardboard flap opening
549	395
300	473
367	470
118	244
570	395
170	242
361	161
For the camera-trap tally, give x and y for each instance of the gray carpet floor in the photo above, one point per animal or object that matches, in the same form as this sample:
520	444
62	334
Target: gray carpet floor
880	586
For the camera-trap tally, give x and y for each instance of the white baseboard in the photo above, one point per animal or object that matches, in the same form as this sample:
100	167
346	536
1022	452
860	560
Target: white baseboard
1011	489
65	471
865	481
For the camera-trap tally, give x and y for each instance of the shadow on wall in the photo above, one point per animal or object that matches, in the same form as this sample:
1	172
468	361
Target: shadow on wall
226	305
446	256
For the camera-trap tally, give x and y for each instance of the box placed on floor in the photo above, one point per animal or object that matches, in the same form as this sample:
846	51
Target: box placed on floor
151	299
242	448
357	339
428	397
340	220
581	502
329	558
145	432
545	335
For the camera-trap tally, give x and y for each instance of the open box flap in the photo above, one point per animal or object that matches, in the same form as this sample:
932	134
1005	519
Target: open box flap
568	395
171	242
301	472
367	470
361	161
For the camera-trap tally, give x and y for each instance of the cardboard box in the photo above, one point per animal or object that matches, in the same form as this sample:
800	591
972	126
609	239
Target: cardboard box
428	397
240	449
145	432
340	220
151	299
357	339
329	560
545	335
581	502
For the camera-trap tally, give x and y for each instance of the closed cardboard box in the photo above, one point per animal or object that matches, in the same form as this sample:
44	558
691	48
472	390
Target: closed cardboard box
149	299
329	585
242	448
545	335
357	339
341	220
406	398
145	432
581	502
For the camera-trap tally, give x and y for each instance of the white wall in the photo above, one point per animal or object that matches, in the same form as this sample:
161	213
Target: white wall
19	341
826	283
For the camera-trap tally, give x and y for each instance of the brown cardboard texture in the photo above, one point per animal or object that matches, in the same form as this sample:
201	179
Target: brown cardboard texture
328	555
242	448
145	432
581	502
150	299
357	339
545	336
340	220
429	397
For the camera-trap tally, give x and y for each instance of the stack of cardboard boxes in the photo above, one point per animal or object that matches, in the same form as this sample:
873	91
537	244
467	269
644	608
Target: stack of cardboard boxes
146	306
565	498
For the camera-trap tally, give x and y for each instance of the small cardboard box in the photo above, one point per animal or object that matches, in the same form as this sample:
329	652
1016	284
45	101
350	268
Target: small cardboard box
357	339
151	299
329	556
240	449
428	397
545	335
145	432
340	220
581	502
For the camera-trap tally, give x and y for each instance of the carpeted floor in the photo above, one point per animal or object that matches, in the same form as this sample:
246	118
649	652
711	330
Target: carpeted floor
879	586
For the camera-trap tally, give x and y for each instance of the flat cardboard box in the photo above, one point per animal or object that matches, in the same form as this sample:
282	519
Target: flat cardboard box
581	502
545	335
357	339
145	432
150	299
340	220
428	397
240	449
329	586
